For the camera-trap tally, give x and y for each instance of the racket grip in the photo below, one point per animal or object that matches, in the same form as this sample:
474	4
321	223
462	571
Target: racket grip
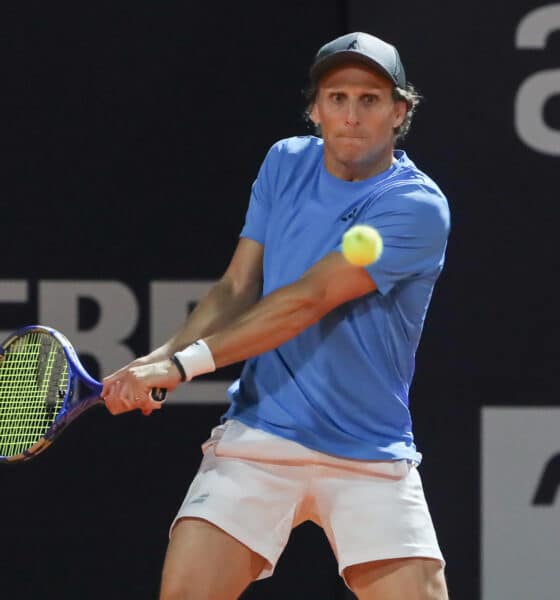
158	394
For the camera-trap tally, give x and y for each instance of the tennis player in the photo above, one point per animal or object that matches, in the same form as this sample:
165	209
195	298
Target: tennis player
319	426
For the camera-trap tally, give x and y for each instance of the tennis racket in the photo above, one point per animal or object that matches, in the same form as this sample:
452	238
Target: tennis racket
43	388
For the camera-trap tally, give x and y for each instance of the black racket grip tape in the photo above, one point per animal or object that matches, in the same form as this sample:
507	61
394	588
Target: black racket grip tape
158	394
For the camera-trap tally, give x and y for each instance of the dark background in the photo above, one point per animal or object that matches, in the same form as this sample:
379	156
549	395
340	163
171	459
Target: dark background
132	133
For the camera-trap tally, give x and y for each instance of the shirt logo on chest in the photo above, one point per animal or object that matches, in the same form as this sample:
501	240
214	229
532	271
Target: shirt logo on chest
350	215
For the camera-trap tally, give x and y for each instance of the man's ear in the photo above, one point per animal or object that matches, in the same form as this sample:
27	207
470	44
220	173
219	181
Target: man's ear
314	114
401	109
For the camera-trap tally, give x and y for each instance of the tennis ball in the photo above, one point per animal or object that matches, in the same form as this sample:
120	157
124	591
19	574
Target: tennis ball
362	245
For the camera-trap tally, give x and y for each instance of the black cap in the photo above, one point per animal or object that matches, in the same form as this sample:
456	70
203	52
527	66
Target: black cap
363	48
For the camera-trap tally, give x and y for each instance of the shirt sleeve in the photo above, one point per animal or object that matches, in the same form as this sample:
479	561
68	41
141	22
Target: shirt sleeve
262	191
414	223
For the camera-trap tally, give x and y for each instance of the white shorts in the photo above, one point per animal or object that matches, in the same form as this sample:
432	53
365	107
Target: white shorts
257	487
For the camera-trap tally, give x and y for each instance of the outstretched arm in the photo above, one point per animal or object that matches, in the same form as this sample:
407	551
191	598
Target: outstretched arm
237	290
286	312
267	324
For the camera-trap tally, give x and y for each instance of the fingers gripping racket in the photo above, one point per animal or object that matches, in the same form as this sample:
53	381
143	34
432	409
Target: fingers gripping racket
43	388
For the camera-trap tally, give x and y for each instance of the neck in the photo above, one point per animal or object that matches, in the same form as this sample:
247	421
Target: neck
358	170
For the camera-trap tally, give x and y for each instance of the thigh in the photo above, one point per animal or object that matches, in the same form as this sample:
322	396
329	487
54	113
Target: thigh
395	579
204	561
375	518
253	502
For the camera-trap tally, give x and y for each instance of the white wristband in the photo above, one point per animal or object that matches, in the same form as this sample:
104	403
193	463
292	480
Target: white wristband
196	359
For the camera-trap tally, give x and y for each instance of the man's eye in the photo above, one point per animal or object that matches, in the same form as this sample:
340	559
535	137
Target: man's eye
369	98
337	98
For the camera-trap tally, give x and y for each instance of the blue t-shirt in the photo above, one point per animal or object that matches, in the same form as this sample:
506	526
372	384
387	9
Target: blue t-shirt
341	386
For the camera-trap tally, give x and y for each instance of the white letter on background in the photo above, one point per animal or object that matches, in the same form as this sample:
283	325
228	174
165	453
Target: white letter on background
536	90
170	303
118	317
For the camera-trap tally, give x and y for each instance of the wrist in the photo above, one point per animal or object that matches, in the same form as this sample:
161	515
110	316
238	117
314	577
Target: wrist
179	366
194	360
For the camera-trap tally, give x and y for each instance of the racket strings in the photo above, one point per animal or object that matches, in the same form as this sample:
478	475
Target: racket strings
33	386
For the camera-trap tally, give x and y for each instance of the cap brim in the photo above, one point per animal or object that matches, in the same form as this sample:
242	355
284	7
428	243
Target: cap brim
345	57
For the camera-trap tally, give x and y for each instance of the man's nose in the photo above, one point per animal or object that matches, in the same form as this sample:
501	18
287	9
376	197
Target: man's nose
352	117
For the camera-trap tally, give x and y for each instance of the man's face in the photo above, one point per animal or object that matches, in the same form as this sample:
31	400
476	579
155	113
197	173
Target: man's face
357	115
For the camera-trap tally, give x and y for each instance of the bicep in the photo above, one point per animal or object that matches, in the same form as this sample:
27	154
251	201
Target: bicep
334	281
245	270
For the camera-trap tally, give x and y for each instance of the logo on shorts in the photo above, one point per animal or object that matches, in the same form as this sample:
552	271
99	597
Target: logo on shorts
199	499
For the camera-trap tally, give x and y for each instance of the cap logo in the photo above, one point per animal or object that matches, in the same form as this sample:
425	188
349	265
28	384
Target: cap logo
352	45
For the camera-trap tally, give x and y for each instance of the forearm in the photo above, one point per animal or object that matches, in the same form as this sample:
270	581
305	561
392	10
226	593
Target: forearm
216	310
286	312
273	320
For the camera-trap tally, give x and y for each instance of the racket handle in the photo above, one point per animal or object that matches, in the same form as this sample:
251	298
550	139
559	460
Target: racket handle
158	394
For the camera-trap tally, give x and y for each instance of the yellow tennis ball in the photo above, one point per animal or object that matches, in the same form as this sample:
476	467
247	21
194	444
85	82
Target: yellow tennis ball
362	245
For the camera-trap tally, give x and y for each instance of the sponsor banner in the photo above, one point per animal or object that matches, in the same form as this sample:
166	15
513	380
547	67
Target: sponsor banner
520	503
